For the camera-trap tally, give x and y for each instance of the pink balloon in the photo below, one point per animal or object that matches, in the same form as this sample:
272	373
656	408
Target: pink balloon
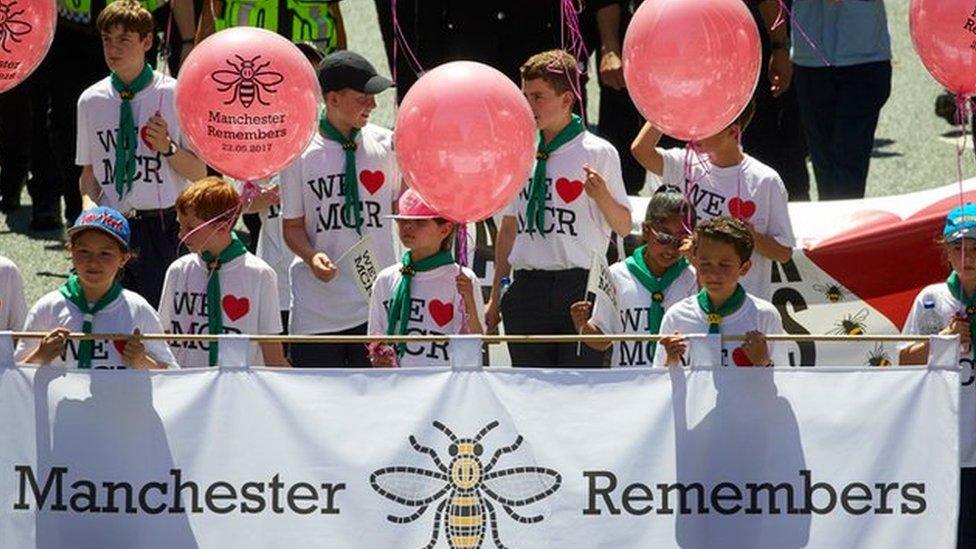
944	35
465	140
26	32
248	102
691	66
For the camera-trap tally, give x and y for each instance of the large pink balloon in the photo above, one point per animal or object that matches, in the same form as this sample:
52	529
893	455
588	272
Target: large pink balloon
691	66
248	102
944	34
465	139
26	32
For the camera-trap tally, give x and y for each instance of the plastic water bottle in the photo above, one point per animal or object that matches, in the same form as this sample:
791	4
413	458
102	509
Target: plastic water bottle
929	323
503	285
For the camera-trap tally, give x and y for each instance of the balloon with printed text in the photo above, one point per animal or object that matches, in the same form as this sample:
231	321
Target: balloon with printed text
465	139
944	35
26	32
691	67
248	101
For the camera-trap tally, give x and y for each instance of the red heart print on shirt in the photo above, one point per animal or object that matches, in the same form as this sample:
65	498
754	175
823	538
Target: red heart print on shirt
569	190
119	345
740	358
144	134
235	307
441	312
372	180
742	209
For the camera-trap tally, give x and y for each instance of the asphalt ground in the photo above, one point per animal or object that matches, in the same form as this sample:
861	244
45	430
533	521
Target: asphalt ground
914	149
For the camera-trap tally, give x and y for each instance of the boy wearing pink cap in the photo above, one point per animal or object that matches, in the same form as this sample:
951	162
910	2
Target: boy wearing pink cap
426	294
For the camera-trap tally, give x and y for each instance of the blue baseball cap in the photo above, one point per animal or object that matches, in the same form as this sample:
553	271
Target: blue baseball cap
104	219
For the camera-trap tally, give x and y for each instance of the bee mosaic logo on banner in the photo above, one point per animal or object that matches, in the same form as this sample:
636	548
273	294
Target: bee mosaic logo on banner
248	101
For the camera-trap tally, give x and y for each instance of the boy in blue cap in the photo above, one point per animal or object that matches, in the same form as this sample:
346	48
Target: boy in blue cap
93	301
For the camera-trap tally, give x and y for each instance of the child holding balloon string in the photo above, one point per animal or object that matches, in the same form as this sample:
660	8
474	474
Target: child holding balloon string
129	144
428	293
725	181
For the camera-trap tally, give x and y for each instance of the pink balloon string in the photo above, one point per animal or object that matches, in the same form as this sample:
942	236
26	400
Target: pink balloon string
964	114
780	20
738	178
462	244
399	40
571	41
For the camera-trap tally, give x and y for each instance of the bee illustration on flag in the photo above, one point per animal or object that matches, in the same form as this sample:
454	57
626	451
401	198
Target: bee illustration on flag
853	324
466	490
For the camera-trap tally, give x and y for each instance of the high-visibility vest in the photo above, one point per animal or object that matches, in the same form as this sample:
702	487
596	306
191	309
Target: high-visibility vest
297	20
80	11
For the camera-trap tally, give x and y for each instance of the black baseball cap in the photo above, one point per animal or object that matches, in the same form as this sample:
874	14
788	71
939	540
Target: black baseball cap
345	69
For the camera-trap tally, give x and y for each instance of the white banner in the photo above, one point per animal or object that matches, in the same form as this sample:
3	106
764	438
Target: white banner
694	458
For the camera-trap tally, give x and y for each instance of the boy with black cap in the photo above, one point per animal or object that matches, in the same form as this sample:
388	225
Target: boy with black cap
338	191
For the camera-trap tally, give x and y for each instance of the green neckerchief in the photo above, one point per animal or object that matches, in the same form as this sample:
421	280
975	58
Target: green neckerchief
535	212
215	317
955	288
350	184
399	312
715	316
71	290
126	139
656	286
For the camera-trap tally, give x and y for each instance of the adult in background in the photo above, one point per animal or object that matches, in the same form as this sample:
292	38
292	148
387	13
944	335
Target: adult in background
840	103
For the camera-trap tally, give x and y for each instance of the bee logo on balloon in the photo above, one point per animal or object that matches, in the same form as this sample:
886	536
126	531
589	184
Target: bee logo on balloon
466	490
11	27
248	80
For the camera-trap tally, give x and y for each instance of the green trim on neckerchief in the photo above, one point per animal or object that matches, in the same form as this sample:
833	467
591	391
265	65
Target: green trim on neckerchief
955	288
72	291
399	312
714	315
350	182
126	138
535	211
657	286
215	317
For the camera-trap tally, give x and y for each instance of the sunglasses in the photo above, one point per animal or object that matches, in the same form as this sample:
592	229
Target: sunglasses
667	239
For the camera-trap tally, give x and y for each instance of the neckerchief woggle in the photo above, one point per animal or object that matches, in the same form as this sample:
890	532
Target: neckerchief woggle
215	317
715	315
657	286
969	301
535	211
72	291
350	183
399	312
126	138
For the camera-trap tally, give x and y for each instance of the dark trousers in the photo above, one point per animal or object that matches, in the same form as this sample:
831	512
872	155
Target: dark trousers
967	509
839	107
619	124
155	241
25	146
538	303
331	355
775	138
78	61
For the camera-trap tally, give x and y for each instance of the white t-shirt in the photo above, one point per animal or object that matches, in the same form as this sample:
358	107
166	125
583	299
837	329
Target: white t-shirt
946	306
574	225
311	188
686	317
155	184
633	304
122	316
249	303
435	308
13	309
754	185
271	245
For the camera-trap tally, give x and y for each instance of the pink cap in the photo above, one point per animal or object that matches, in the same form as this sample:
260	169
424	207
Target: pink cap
412	206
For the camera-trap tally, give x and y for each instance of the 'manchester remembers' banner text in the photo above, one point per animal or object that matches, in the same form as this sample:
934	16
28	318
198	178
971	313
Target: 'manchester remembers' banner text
696	458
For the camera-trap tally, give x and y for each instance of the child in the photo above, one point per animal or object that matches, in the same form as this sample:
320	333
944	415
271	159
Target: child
949	308
220	288
93	301
550	232
428	294
13	309
655	277
728	182
721	252
129	146
341	189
